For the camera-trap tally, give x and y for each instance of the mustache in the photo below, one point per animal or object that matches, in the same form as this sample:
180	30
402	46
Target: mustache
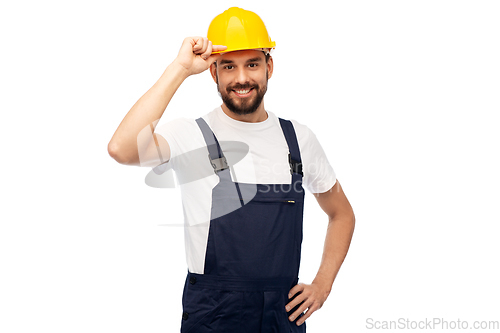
241	87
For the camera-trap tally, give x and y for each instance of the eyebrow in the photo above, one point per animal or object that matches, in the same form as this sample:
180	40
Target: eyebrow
254	60
225	61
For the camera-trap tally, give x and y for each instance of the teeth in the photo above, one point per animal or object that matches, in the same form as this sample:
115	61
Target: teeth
242	92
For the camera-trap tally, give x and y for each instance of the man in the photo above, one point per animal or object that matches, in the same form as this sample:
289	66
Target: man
244	219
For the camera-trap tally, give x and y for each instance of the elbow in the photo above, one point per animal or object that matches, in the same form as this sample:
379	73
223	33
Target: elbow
347	219
115	152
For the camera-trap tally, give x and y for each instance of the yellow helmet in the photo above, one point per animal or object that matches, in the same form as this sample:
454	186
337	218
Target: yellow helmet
239	29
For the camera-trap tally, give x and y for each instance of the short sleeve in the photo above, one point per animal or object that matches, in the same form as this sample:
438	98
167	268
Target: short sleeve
319	175
179	135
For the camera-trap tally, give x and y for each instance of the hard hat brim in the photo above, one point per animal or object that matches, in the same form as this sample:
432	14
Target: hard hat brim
270	49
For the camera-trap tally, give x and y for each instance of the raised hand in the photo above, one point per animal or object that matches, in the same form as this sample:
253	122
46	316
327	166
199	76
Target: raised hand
196	55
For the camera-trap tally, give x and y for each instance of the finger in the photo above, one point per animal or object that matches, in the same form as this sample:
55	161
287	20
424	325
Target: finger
204	44
218	48
296	301
213	58
309	312
295	289
198	44
208	51
300	310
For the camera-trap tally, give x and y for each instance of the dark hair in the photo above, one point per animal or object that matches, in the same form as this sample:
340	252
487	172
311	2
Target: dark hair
268	54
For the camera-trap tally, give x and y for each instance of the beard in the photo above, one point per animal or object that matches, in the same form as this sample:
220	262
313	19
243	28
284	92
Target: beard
245	105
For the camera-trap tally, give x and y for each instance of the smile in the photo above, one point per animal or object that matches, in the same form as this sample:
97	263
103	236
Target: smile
243	92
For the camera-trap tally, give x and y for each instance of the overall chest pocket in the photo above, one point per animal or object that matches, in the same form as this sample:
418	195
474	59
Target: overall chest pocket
260	238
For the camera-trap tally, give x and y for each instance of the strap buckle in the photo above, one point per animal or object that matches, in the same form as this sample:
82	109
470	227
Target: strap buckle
295	166
219	164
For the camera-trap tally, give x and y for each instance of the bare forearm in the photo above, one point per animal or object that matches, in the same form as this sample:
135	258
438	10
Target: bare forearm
147	110
134	136
338	238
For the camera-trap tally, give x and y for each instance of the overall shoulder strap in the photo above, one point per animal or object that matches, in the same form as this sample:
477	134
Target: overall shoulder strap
293	146
217	158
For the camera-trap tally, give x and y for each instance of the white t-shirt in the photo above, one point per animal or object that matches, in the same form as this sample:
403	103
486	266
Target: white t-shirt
265	163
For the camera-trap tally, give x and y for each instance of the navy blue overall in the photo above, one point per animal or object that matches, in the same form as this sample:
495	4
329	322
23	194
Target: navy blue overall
253	252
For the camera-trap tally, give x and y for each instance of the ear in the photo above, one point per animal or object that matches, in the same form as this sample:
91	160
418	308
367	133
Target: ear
270	66
213	72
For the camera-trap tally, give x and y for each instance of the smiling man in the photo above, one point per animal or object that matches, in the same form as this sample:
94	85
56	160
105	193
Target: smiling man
243	91
243	223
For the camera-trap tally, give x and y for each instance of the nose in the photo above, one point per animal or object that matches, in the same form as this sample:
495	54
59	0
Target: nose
242	76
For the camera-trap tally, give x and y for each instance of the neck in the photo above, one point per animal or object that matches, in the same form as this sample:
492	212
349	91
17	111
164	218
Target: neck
255	117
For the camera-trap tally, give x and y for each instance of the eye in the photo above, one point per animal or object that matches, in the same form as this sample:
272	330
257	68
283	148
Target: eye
252	65
228	67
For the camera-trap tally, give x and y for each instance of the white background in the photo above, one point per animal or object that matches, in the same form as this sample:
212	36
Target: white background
403	96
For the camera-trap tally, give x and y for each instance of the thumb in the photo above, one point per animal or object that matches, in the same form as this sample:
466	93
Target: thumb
213	58
215	48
